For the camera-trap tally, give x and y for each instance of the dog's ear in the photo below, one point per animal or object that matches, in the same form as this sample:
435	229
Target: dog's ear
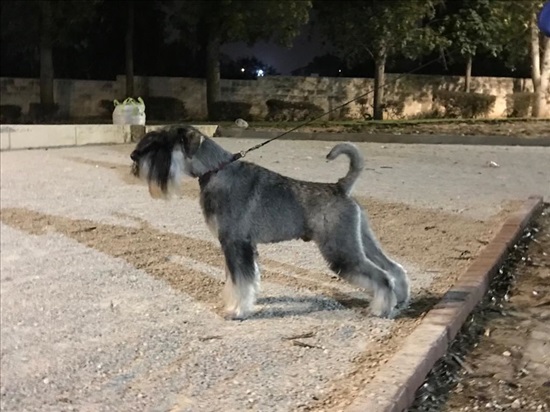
190	138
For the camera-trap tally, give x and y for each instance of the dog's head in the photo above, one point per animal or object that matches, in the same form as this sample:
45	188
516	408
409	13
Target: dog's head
163	157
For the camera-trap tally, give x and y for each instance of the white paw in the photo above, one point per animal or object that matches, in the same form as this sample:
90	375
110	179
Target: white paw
383	304
236	313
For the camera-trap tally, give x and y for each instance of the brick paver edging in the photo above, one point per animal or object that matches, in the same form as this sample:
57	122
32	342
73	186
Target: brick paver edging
394	387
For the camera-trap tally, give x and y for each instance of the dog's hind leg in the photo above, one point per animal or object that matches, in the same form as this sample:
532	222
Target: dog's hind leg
343	249
365	274
374	252
242	277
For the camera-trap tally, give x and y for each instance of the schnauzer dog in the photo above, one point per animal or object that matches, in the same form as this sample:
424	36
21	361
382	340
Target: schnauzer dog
245	205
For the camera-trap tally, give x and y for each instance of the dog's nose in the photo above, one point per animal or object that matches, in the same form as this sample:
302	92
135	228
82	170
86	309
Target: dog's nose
134	156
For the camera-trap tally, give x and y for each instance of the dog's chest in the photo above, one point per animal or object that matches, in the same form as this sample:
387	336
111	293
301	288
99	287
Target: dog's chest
208	204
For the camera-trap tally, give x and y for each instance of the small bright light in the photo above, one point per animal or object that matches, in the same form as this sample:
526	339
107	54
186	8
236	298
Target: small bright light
339	70
242	69
260	72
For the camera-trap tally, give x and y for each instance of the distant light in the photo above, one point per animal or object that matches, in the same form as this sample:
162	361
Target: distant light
339	70
260	72
242	69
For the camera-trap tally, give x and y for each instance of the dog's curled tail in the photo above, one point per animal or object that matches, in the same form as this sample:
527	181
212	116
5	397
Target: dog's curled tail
357	164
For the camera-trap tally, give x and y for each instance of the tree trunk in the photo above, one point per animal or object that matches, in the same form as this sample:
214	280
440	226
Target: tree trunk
212	72
542	109
130	50
540	69
468	80
535	62
46	55
379	79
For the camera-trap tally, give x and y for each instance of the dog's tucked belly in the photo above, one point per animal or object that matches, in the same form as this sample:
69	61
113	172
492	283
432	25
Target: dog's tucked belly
261	234
263	227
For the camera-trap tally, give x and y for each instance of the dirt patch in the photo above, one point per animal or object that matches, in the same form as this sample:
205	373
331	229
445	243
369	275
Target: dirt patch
524	128
510	367
500	360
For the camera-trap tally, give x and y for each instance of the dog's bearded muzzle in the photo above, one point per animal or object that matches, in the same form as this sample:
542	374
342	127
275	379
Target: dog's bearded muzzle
162	158
162	170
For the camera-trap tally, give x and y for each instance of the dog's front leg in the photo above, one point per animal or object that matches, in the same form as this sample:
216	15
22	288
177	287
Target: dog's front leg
242	277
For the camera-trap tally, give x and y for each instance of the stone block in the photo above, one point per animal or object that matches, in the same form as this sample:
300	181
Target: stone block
35	136
102	134
5	137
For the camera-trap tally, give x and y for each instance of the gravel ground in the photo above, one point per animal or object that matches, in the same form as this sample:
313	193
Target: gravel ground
110	300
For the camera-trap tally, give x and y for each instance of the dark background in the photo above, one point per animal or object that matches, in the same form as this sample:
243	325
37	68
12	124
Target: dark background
100	53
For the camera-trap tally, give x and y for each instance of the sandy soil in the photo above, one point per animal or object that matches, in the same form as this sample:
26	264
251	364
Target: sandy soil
112	299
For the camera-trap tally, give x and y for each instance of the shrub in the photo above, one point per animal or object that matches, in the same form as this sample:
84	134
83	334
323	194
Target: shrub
280	110
165	109
434	113
465	105
345	114
520	104
40	113
10	113
108	106
394	108
365	108
230	111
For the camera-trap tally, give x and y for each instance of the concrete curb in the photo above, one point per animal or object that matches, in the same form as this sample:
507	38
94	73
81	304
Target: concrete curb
22	136
390	138
394	387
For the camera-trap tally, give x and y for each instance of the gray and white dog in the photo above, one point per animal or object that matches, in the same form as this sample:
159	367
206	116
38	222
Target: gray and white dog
245	205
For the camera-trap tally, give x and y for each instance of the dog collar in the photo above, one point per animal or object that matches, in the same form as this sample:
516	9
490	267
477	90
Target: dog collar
205	177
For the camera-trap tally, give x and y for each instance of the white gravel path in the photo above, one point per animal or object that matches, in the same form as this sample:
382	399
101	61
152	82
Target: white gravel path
84	330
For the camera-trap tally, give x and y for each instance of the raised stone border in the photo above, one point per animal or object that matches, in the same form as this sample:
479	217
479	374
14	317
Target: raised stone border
19	136
394	387
14	137
389	138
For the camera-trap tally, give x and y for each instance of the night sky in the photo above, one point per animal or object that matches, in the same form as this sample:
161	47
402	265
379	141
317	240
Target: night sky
283	59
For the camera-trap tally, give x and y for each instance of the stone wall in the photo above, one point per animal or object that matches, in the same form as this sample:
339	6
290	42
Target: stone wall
409	95
76	98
